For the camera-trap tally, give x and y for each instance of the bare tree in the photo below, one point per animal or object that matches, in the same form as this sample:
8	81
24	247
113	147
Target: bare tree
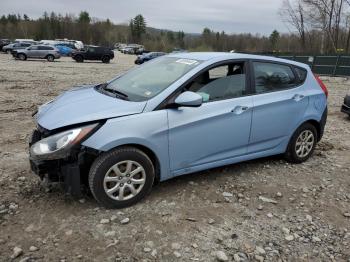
327	15
294	15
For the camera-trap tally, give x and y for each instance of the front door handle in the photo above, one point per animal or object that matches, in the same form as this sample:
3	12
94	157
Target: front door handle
298	97
239	110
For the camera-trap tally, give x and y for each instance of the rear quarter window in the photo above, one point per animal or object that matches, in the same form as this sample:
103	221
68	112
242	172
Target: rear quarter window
301	73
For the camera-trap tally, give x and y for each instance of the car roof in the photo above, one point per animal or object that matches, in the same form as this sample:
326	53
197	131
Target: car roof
206	56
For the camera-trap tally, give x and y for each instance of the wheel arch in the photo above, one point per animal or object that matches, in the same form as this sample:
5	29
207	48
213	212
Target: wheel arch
150	153
317	125
21	53
313	122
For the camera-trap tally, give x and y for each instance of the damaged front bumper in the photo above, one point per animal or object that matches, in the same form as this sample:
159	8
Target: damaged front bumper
71	171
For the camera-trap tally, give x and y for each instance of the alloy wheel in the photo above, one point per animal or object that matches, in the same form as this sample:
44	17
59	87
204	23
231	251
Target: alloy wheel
124	180
304	143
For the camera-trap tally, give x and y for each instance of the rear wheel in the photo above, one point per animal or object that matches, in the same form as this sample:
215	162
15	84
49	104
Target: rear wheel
22	57
79	58
50	58
121	177
106	59
8	51
302	144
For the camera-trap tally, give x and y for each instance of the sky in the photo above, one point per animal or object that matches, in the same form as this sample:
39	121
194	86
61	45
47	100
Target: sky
231	16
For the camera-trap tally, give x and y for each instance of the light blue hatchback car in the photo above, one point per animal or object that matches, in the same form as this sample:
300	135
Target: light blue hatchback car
175	115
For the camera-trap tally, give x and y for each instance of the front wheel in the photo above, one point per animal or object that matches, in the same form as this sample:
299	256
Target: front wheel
302	144
79	58
121	177
22	57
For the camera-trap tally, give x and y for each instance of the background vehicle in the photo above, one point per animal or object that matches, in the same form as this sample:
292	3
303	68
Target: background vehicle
119	46
346	106
179	50
133	49
175	115
38	51
64	50
4	42
15	46
148	56
48	42
127	50
78	44
93	53
18	40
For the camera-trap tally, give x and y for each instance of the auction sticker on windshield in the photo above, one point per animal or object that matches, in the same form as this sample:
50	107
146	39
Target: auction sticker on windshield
187	61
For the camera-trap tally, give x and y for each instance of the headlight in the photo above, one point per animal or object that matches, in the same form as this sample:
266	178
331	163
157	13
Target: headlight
58	145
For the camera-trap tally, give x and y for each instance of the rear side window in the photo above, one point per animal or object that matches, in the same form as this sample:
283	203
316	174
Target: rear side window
301	73
271	77
45	48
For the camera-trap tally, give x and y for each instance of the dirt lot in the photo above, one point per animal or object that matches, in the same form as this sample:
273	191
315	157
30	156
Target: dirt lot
208	216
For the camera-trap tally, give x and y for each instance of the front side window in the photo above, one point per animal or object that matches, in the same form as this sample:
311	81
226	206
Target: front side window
222	82
273	77
148	80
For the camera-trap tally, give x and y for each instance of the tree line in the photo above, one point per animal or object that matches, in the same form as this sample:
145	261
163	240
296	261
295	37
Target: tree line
321	25
310	31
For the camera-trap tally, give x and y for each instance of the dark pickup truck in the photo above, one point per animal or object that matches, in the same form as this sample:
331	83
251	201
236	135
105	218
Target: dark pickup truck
93	53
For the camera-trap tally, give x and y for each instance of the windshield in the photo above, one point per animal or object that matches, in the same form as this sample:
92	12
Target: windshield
148	80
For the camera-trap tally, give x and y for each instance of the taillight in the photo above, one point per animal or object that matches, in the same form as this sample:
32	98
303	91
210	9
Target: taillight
322	85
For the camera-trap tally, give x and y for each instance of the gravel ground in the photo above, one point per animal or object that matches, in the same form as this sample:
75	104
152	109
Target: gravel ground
259	210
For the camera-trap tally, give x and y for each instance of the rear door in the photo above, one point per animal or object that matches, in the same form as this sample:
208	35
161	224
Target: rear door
43	51
279	103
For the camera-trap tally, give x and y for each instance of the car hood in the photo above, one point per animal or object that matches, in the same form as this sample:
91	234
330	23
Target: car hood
83	104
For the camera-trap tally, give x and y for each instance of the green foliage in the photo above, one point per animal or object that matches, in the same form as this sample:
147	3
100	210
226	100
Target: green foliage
137	27
105	32
274	38
84	17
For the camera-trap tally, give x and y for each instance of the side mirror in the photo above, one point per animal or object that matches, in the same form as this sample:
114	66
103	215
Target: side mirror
189	99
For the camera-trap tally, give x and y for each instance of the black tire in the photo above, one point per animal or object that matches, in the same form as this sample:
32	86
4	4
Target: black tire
22	57
106	59
50	58
291	154
79	58
103	164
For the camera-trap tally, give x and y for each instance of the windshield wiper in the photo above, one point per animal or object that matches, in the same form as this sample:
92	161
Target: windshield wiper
119	94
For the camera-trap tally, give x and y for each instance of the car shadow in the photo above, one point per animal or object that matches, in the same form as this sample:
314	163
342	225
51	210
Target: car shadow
215	176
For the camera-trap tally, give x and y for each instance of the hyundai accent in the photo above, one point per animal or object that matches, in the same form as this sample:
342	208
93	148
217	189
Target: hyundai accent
175	115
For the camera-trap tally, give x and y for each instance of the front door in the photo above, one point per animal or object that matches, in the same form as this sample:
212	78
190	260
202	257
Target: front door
217	130
34	52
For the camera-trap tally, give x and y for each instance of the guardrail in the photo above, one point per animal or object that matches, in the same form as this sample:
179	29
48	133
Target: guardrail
333	65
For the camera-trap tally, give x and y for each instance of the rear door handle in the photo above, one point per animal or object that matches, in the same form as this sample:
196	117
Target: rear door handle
239	110
298	97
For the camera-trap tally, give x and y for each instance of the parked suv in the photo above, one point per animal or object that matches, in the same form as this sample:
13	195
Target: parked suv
147	57
38	51
93	53
175	115
15	46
